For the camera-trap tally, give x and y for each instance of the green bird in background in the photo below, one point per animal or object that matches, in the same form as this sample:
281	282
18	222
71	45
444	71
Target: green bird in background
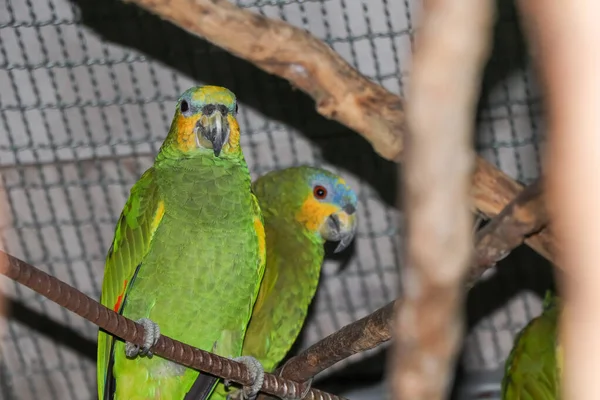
533	368
302	208
188	255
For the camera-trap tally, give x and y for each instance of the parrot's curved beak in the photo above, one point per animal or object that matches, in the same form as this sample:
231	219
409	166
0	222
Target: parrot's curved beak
341	226
212	128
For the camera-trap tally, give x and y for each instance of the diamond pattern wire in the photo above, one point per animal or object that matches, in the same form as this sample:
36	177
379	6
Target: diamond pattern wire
87	90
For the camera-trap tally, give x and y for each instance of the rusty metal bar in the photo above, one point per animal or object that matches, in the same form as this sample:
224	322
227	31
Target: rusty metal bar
86	307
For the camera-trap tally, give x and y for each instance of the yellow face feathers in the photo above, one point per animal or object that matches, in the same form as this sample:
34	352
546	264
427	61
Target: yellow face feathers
205	119
314	199
313	213
185	136
233	145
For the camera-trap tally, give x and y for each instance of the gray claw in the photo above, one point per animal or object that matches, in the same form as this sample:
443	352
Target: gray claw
258	376
151	335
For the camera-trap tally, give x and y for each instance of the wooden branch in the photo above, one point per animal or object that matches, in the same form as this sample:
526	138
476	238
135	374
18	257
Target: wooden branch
454	43
340	92
523	216
362	335
493	190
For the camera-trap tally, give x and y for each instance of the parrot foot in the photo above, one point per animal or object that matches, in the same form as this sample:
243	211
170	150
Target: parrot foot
258	376
151	335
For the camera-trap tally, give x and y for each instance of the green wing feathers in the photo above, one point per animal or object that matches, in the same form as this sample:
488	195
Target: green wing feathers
133	234
531	370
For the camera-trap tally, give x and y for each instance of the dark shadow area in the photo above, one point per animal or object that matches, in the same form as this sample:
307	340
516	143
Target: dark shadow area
509	55
6	389
56	331
509	51
130	26
522	270
343	257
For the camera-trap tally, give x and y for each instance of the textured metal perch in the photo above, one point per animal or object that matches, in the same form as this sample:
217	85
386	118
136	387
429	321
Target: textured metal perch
84	306
340	91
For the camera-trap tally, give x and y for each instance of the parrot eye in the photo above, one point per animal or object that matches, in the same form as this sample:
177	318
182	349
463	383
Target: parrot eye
320	192
236	108
184	106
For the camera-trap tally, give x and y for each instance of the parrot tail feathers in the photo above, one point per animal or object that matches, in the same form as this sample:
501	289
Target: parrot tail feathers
202	387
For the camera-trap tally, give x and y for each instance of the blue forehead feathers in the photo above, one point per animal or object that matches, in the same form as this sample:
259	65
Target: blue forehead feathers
337	192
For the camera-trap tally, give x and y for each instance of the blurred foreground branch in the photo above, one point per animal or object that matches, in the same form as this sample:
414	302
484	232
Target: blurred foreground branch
84	306
563	35
340	91
453	45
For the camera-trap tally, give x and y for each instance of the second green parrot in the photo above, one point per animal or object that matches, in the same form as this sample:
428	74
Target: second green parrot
302	208
533	368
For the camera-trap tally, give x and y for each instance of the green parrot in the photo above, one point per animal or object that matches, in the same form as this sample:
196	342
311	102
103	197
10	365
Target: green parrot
302	208
188	255
533	368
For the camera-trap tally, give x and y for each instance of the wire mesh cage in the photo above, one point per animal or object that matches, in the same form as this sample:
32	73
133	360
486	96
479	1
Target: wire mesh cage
87	91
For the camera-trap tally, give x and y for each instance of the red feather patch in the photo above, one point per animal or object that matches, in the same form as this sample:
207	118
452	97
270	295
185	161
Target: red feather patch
120	298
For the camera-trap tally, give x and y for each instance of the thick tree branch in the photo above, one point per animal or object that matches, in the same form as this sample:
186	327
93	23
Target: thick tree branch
359	336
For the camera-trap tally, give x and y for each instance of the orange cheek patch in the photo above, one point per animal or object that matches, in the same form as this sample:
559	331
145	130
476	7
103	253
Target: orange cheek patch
186	140
313	213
